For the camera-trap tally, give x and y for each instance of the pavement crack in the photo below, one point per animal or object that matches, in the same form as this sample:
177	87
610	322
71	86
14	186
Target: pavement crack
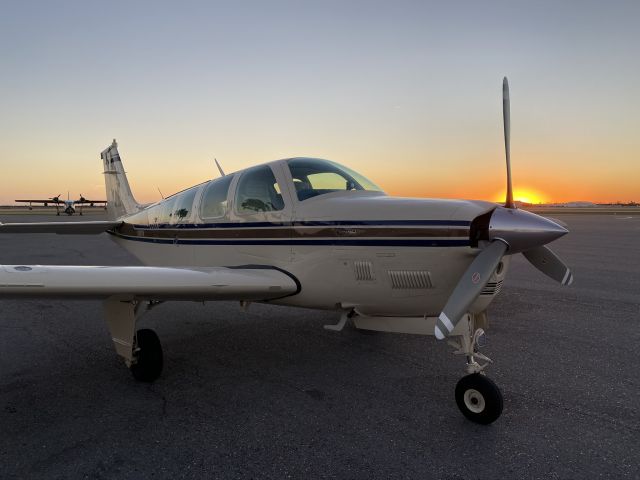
163	401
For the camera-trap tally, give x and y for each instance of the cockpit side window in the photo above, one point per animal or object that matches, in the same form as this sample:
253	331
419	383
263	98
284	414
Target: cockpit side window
258	191
214	199
313	177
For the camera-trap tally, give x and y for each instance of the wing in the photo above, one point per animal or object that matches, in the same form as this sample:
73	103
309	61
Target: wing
40	201
84	201
249	283
61	228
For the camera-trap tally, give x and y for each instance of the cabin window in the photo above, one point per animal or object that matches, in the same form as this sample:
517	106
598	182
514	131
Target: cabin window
166	213
329	181
183	205
313	177
214	199
258	191
154	213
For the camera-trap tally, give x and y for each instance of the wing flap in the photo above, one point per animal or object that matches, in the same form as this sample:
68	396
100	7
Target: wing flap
146	283
61	228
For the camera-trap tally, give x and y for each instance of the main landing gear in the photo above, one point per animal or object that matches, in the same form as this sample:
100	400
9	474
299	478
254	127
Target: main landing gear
478	398
141	350
147	365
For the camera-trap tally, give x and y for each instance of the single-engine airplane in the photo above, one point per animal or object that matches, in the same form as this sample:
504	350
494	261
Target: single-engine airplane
308	233
69	205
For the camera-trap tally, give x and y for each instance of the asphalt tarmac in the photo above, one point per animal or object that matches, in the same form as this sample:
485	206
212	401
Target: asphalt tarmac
268	393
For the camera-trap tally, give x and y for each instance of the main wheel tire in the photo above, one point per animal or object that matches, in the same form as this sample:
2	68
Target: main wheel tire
148	366
479	399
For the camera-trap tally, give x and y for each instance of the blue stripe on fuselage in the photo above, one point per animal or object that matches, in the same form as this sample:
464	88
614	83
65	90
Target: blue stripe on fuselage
339	242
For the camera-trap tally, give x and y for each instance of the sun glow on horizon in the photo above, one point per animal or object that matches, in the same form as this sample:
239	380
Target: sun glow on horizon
524	195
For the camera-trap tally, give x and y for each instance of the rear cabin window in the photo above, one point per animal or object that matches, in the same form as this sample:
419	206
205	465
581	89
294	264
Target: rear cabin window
183	205
166	214
154	213
258	191
214	199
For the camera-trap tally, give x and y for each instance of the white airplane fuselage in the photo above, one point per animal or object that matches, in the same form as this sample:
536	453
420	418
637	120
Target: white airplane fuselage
361	250
309	233
69	207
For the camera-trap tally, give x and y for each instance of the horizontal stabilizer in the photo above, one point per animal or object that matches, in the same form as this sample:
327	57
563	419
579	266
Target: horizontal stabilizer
252	283
61	228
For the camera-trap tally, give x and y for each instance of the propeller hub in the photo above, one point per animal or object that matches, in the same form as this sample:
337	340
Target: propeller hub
522	230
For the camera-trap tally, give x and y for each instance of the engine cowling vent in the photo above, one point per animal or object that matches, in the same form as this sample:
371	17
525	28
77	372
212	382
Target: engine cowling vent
410	279
363	270
492	288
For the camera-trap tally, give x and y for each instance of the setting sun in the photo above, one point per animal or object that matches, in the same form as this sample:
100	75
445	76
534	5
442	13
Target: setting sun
525	195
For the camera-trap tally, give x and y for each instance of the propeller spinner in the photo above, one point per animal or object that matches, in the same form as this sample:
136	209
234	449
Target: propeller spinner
505	231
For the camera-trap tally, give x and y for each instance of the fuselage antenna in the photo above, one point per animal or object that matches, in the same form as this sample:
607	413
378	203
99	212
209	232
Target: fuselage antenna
160	192
219	167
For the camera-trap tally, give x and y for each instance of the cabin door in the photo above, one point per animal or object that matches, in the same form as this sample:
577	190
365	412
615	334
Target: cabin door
262	212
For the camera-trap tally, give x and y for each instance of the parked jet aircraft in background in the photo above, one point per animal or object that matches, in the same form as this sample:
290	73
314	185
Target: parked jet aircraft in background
308	233
69	205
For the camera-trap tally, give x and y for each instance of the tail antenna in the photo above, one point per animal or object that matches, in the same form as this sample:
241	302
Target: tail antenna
219	167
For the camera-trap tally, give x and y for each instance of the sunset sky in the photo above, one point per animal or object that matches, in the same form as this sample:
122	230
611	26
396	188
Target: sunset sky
406	92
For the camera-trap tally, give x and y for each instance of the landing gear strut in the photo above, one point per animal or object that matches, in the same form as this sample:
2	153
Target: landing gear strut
478	398
141	350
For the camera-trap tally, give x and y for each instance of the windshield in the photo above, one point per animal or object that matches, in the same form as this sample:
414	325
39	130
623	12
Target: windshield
313	177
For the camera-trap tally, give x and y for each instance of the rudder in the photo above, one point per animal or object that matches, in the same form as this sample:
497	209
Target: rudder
120	199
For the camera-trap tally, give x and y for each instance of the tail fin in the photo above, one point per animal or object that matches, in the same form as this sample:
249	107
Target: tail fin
119	197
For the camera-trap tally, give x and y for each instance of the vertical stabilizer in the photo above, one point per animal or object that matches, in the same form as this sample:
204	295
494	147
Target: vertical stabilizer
119	197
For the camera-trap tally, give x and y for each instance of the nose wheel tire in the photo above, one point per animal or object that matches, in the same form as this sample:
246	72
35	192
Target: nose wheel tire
479	399
148	365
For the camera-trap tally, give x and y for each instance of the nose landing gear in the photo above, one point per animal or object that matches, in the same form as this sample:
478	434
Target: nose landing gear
478	398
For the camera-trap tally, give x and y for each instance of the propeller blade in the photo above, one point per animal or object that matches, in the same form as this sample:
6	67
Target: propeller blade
469	286
550	264
506	118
